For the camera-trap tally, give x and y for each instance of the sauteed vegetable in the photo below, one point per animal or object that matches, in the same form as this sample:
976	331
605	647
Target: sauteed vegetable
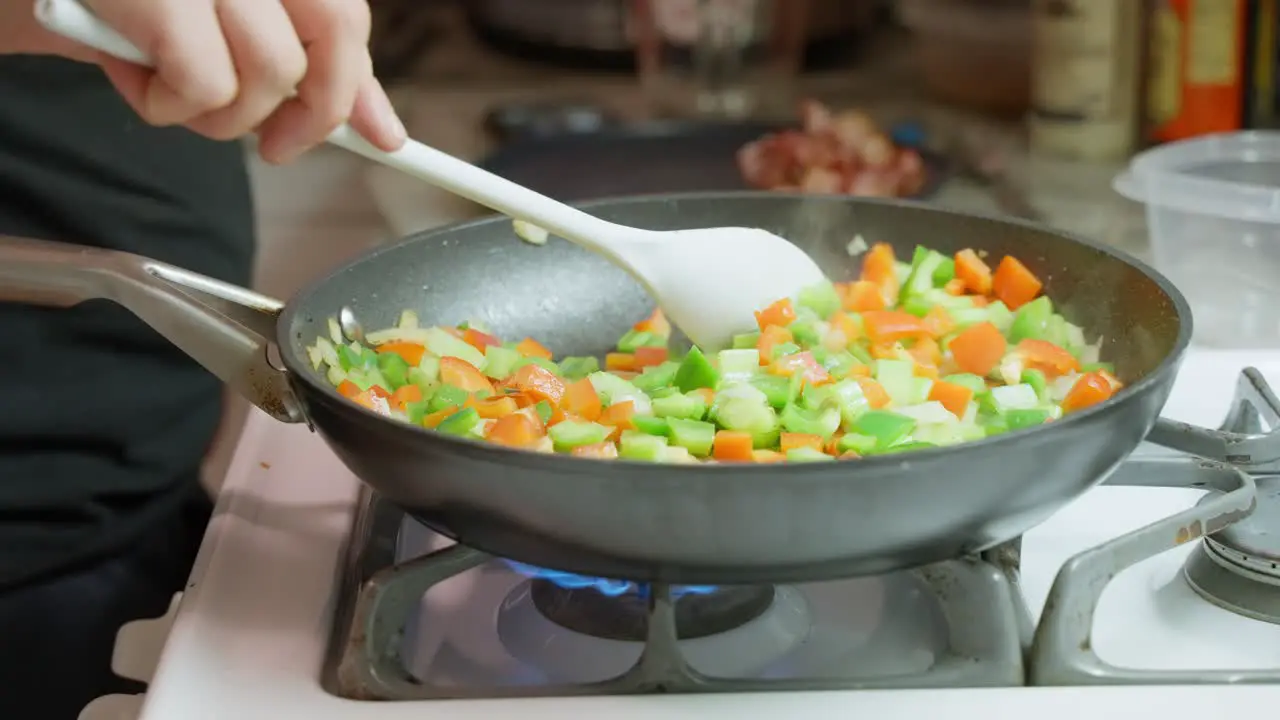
934	352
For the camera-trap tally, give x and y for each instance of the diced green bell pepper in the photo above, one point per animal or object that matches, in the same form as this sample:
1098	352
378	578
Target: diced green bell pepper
783	350
394	369
820	297
888	428
640	338
685	407
416	410
1031	320
821	421
739	362
543	363
853	442
651	425
807	333
543	410
974	383
1020	418
807	454
639	446
1037	380
447	396
655	377
460	423
500	362
569	434
695	372
576	368
777	389
693	435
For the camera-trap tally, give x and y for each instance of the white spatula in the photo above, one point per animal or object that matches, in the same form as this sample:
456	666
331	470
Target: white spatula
708	281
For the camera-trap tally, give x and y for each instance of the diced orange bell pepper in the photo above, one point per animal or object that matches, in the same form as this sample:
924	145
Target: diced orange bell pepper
973	272
618	416
802	364
732	446
877	396
515	430
925	351
493	407
844	330
405	395
791	441
479	340
463	375
768	456
1046	357
955	398
1013	284
538	382
938	322
433	420
380	392
581	398
863	295
529	347
650	356
348	389
954	286
978	348
771	337
625	362
411	352
1091	389
600	451
656	323
886	326
779	313
880	266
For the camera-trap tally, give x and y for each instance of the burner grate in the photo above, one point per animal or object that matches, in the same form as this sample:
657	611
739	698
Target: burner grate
1247	444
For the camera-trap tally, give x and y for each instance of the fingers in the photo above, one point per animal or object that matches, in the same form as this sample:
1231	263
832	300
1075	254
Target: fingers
227	67
374	117
194	70
269	59
336	34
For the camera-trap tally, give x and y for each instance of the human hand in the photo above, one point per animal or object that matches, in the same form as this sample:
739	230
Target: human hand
225	68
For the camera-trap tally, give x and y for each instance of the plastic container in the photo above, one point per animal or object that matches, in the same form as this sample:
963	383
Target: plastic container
1213	214
973	53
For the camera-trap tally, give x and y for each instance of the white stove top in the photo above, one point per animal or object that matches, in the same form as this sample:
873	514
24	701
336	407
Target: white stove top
250	635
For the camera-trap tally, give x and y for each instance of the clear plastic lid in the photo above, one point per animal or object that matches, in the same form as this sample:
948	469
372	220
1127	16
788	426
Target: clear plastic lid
1230	175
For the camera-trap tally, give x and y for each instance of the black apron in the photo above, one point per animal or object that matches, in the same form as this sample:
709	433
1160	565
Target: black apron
103	424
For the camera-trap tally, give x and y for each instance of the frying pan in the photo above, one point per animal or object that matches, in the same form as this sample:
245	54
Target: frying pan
704	523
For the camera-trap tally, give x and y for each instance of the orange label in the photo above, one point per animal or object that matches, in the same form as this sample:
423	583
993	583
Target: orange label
1196	85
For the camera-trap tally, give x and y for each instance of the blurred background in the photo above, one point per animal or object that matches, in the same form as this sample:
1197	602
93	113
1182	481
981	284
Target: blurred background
1034	108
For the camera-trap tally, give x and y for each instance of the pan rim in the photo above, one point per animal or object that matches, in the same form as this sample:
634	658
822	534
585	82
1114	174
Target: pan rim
483	451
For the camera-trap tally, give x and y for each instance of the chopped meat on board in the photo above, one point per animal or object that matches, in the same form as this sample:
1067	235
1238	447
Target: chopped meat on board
833	153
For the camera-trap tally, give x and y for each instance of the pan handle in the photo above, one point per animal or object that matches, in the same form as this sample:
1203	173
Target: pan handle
225	328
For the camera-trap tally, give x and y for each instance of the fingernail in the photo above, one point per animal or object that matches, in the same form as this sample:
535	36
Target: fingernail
391	123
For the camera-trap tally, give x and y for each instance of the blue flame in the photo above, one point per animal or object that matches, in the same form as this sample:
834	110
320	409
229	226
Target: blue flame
604	586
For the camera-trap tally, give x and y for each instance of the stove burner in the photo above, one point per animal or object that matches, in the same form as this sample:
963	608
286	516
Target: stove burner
604	586
1238	568
626	616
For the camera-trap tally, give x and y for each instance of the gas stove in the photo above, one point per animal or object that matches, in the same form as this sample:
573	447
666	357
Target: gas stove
313	596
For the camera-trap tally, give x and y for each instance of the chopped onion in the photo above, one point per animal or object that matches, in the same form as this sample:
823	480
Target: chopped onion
530	233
